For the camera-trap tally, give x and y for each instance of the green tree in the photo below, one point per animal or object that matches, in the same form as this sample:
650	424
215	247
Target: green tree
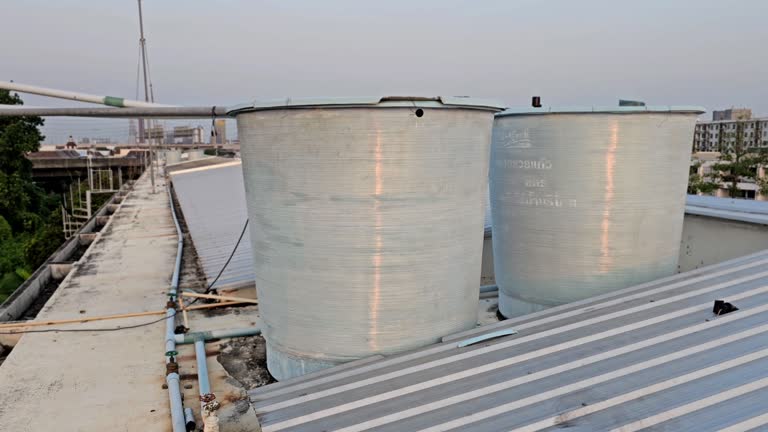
740	162
20	199
697	184
29	227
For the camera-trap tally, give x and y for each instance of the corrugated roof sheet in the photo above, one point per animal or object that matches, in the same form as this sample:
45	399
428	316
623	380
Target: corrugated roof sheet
212	200
650	357
54	154
728	208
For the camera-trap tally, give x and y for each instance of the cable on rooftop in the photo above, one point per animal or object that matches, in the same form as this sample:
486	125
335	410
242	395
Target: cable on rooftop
224	267
107	329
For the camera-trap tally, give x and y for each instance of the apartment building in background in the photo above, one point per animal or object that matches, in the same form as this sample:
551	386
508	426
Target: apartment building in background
722	133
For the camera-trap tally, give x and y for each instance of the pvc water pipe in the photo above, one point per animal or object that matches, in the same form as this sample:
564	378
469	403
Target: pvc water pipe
178	417
76	96
104	112
202	371
189	417
488	288
179	250
216	334
177	409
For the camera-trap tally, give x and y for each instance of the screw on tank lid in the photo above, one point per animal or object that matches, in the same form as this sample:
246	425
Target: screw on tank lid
371	101
652	109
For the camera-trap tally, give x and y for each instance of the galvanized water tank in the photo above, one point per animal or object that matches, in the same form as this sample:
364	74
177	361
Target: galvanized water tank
366	223
586	201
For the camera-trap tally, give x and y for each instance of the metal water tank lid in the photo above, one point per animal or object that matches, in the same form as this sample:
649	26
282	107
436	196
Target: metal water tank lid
367	101
676	109
366	222
585	200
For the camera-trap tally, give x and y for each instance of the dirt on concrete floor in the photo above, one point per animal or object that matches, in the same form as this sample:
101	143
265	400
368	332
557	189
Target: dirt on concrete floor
42	298
245	360
4	351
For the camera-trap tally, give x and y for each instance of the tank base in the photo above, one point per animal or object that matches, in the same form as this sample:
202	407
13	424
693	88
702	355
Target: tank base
283	366
511	307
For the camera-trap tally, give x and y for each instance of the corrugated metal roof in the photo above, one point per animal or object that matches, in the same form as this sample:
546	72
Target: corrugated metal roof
212	200
728	208
55	154
651	357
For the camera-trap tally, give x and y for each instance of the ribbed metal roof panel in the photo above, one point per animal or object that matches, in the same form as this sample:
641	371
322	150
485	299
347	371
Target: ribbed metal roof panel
651	356
212	200
742	210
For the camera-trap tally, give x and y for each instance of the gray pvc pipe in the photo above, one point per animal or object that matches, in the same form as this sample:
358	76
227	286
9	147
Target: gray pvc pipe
202	370
189	417
488	288
174	391
148	112
177	410
216	334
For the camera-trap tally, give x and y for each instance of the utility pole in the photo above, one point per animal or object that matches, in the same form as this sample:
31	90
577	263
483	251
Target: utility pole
143	43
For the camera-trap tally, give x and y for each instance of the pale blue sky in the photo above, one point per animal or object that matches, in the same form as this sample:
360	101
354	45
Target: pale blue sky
586	52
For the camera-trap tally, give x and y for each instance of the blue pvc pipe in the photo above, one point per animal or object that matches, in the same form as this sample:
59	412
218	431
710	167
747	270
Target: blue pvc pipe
177	410
216	334
488	288
202	368
189	417
178	420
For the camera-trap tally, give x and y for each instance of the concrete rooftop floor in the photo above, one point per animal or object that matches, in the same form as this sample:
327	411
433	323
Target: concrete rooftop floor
113	381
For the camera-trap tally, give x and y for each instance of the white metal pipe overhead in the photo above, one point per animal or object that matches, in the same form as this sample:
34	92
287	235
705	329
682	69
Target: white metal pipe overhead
105	112
77	96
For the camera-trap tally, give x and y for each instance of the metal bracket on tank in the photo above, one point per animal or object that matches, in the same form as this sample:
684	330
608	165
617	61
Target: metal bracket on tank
486	336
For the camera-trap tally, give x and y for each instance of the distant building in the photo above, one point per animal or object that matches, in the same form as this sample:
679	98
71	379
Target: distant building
732	114
156	133
221	132
71	144
626	102
101	141
188	135
727	127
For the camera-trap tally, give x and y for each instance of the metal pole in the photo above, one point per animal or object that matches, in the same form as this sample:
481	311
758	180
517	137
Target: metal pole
89	164
64	220
142	42
88	202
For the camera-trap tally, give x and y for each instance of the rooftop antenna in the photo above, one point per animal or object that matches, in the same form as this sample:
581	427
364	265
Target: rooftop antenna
143	45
